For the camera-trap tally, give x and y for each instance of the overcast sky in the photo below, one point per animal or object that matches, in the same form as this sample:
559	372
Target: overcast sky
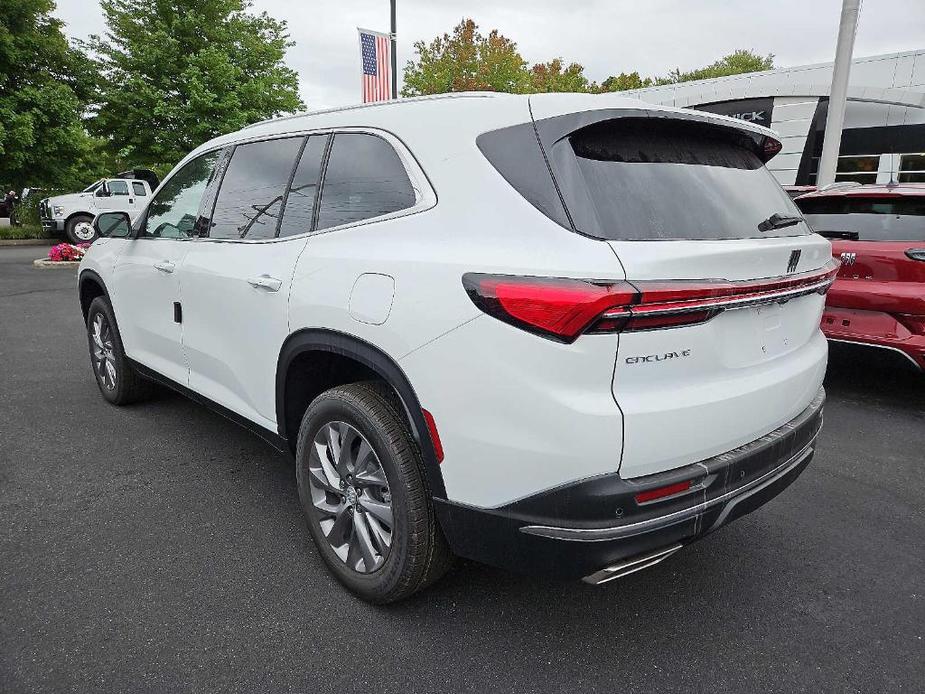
606	36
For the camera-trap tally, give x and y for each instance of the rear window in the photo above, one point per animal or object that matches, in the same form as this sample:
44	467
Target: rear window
874	218
654	179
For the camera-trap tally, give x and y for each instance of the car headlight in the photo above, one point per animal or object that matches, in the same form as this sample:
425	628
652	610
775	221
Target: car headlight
57	210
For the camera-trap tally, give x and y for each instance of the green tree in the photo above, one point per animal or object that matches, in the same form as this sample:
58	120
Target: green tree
735	63
553	77
175	73
624	81
465	61
44	85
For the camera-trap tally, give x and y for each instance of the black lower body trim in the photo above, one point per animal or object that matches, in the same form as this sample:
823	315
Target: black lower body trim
278	442
576	530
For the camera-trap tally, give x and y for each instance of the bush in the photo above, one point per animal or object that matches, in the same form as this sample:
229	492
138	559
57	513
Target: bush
27	231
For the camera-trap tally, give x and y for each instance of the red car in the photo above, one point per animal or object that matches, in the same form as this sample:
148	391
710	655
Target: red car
878	232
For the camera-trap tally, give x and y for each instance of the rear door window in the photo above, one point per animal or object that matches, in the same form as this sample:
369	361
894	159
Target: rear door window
139	188
364	178
871	218
664	179
251	193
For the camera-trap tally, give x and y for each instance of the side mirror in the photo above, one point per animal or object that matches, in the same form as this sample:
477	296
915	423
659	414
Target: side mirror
115	225
103	190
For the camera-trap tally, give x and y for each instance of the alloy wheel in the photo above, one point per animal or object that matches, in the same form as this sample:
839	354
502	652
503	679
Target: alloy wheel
351	496
101	351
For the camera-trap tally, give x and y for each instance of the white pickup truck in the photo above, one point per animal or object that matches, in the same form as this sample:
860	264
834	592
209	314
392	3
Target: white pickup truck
73	214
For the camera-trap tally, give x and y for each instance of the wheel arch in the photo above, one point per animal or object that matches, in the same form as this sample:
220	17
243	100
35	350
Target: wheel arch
78	213
89	286
303	344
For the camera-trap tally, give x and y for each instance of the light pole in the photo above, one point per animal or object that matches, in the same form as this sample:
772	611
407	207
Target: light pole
394	56
838	96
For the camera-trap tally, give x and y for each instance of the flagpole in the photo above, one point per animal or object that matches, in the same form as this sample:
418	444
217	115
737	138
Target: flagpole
394	56
838	96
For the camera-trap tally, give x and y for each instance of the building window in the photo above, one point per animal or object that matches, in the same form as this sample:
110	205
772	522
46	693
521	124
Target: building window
912	168
861	169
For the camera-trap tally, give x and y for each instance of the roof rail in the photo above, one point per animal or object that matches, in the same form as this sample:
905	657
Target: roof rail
390	102
841	184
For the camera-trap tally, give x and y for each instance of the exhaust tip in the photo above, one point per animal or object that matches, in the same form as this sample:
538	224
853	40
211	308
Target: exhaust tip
631	565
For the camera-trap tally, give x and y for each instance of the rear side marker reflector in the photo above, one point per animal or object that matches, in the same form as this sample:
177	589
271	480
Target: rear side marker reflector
434	435
662	492
564	308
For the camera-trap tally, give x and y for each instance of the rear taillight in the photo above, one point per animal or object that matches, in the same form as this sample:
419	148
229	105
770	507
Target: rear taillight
556	307
916	254
564	308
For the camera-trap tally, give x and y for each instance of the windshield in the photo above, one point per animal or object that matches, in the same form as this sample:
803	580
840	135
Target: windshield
874	218
92	187
652	179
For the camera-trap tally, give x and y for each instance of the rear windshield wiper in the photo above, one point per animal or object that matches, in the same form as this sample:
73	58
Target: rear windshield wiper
778	221
847	235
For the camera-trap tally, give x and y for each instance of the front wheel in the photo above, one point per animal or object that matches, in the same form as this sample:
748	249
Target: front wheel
363	492
79	229
117	379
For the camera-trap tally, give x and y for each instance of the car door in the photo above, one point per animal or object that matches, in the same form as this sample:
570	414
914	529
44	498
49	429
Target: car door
120	197
146	290
236	281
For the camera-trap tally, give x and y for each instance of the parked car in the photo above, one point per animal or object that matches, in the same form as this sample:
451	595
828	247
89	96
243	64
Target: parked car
878	298
485	325
72	214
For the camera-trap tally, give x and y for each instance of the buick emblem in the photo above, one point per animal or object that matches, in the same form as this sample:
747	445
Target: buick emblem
848	258
794	261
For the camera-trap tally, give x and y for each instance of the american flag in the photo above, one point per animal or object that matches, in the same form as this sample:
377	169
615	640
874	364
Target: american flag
377	65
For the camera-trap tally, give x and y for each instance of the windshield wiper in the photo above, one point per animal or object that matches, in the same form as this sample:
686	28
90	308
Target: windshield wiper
778	221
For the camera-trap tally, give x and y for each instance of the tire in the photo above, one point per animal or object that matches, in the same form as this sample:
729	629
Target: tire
79	229
118	381
345	507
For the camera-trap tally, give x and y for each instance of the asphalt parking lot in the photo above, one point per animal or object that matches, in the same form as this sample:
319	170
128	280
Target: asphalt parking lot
161	548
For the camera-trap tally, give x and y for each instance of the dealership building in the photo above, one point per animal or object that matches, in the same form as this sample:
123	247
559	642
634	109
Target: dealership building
884	131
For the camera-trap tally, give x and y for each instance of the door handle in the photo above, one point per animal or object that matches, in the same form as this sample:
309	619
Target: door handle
265	282
164	266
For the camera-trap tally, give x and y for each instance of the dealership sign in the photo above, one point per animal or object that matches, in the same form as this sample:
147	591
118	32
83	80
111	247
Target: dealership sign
756	111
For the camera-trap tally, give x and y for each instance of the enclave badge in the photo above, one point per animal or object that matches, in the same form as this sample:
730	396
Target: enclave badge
658	357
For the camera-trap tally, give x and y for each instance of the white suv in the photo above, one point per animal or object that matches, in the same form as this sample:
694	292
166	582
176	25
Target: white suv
564	334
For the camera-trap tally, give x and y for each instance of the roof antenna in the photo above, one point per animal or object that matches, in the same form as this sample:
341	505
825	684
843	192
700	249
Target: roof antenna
893	182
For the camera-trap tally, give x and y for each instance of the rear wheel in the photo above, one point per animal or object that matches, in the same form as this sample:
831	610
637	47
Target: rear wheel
364	496
79	229
118	381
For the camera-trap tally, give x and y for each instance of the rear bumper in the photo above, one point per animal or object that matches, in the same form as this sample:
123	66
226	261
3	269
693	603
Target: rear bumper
881	333
585	529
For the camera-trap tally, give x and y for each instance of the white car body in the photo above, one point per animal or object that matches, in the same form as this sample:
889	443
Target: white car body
519	416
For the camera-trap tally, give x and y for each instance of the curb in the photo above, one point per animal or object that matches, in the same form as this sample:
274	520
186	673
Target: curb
46	264
28	242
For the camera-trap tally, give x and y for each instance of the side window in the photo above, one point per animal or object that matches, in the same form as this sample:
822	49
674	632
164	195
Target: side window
364	178
300	201
139	188
118	188
173	212
251	194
